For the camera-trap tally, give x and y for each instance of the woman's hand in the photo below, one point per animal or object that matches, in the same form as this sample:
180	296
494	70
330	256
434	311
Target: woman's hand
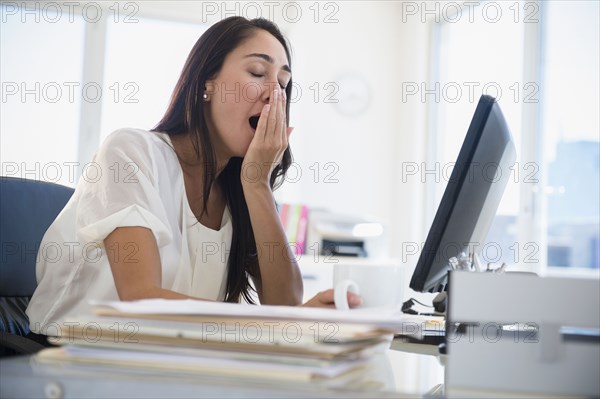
269	143
324	299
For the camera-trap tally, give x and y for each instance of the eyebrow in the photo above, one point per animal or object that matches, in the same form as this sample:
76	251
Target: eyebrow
269	59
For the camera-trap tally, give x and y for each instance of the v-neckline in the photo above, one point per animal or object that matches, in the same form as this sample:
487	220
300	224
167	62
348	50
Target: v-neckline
225	217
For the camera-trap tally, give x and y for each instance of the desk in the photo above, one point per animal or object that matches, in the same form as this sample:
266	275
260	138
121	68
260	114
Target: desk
24	377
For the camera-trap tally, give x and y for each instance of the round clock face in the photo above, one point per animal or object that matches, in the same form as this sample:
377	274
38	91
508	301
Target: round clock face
353	95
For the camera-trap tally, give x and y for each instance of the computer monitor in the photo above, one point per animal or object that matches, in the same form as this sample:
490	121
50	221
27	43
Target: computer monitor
471	198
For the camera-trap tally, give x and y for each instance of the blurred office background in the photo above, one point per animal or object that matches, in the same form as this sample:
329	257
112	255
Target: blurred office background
384	93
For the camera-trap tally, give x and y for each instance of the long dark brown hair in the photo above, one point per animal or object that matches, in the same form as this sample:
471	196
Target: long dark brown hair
185	115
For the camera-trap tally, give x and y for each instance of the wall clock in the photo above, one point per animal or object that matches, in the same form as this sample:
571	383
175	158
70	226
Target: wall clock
354	94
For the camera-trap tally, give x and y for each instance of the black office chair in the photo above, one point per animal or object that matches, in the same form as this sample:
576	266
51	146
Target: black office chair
27	208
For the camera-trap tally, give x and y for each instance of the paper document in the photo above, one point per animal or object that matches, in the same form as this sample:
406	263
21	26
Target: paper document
205	365
390	319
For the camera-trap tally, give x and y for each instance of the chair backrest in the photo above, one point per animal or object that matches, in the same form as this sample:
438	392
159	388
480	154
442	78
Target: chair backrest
27	208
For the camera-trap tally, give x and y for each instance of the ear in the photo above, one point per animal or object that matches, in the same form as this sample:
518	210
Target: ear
210	88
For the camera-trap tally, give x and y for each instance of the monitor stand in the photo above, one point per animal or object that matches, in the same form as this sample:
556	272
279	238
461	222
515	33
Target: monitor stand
439	302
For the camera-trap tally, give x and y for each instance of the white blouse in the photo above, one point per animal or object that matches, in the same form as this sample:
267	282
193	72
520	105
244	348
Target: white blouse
135	179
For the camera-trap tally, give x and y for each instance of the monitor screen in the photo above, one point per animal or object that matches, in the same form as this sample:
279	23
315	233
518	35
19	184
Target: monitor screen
471	198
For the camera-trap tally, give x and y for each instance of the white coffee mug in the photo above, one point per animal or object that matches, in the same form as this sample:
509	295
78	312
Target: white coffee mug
379	285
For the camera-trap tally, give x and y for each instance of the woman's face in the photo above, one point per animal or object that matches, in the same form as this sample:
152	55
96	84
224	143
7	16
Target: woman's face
242	87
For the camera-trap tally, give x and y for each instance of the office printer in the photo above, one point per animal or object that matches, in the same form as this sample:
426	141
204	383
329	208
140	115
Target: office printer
334	234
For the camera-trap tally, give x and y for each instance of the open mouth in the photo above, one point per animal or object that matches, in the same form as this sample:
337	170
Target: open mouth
253	121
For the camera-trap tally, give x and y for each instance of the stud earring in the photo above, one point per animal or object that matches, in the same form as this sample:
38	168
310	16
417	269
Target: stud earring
205	97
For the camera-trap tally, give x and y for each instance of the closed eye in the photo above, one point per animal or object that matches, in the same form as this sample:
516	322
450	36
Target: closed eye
258	75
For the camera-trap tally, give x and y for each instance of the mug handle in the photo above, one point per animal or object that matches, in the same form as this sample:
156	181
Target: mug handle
340	293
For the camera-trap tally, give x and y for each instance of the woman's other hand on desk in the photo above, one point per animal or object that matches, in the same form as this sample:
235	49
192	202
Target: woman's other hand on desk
324	299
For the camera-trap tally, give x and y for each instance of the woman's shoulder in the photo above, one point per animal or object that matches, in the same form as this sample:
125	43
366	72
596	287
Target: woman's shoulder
150	151
135	137
138	143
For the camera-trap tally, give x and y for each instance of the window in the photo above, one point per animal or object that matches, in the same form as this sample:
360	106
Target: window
41	70
143	63
571	133
61	91
562	166
481	54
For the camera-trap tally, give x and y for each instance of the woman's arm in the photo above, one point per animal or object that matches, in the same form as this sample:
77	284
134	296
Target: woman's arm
135	264
281	279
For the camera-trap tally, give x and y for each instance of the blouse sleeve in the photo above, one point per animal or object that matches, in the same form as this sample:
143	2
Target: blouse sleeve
120	189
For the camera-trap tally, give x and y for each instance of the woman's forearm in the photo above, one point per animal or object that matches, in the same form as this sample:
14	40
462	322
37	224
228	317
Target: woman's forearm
281	278
157	292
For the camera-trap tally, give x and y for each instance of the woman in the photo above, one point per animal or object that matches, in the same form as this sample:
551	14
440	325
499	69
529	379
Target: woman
186	210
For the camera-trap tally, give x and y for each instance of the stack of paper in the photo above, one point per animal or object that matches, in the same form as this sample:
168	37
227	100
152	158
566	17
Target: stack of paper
267	342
